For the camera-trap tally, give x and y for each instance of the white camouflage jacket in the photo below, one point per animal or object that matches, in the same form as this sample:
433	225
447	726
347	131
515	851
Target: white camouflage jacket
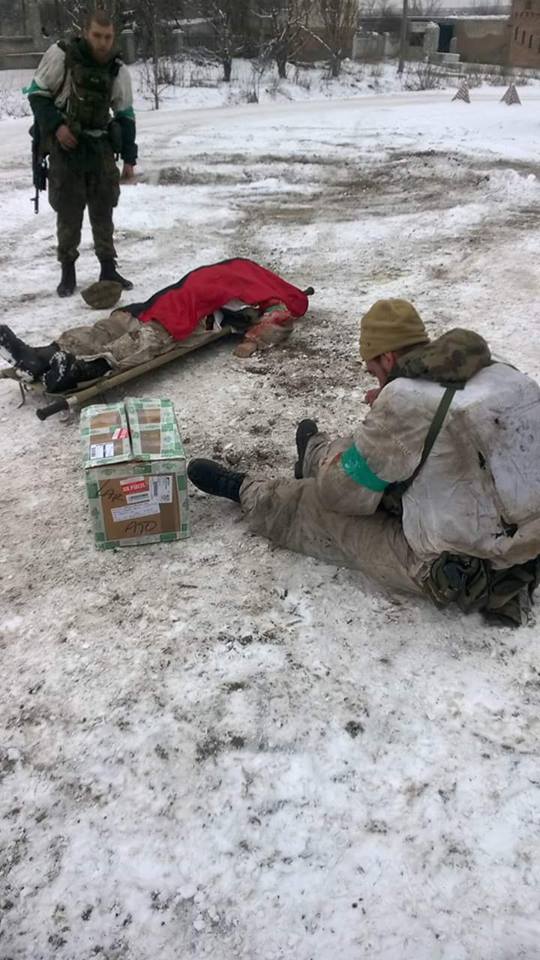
478	493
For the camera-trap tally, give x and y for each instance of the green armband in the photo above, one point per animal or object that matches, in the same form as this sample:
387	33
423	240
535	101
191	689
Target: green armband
35	88
357	469
129	113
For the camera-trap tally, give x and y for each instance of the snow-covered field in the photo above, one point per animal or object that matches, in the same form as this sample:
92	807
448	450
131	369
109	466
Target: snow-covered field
215	748
198	83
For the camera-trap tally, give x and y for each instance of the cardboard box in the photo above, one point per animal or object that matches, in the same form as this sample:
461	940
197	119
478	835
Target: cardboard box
135	468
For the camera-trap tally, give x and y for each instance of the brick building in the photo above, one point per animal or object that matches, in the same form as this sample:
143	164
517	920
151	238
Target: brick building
525	34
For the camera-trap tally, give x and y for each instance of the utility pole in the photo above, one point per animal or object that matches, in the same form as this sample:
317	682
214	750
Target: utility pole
403	36
156	26
33	24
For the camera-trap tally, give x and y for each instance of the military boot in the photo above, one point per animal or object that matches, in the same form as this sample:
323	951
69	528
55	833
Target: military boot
66	372
305	430
32	362
109	272
212	477
68	282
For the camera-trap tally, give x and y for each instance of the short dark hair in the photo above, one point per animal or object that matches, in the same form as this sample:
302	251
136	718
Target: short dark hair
99	17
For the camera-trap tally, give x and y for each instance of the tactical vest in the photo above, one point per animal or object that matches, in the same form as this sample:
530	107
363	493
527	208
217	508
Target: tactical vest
89	102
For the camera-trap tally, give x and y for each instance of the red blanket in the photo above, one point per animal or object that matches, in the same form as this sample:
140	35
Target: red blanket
180	307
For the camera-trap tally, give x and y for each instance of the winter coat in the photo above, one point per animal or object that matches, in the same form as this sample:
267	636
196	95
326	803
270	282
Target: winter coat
478	493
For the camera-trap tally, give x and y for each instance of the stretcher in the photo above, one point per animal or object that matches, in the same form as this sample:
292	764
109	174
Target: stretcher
72	400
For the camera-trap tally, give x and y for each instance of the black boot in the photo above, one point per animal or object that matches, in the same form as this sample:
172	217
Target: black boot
305	430
66	372
66	287
32	362
109	272
212	477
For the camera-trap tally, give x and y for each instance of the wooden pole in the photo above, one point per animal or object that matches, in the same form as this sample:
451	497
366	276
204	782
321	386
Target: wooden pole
84	395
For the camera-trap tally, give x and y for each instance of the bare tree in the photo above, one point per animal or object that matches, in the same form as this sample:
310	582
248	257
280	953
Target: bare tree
229	19
152	20
427	8
378	8
339	20
148	16
287	23
70	15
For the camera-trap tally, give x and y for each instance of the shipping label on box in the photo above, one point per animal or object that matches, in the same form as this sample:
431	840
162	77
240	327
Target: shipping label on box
136	478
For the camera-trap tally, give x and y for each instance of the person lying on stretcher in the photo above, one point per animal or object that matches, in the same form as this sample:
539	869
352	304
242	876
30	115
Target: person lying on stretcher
237	294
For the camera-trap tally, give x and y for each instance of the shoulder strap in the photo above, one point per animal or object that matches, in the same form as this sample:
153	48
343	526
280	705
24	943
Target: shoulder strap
116	66
64	47
434	429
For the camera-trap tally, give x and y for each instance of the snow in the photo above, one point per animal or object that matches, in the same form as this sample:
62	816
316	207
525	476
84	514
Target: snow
198	84
214	747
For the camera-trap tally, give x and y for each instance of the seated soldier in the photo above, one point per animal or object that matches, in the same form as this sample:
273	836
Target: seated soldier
437	491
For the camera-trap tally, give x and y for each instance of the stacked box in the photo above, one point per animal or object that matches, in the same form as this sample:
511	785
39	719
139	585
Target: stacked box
136	478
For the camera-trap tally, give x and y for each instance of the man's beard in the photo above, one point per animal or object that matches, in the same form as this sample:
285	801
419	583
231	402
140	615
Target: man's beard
101	57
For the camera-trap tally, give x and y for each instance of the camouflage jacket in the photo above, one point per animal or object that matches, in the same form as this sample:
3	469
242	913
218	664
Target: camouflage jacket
50	94
450	360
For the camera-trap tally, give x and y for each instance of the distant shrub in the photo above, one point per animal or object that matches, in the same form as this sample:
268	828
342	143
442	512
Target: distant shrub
424	76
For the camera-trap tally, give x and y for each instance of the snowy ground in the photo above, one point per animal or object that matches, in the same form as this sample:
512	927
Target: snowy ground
196	83
214	748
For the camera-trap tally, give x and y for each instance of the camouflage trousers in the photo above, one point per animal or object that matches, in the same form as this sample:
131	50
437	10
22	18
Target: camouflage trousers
290	514
71	189
125	342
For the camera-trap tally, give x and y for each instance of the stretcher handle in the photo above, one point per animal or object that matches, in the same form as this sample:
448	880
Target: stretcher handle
55	407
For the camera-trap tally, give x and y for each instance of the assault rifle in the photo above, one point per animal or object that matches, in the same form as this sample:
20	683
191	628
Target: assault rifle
40	170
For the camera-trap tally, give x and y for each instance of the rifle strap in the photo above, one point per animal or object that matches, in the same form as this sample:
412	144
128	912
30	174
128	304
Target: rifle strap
63	46
434	429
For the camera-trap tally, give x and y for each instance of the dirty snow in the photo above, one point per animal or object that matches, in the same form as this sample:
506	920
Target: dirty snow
216	748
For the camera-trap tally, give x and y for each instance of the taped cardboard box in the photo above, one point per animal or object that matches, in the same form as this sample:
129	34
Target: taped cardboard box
135	467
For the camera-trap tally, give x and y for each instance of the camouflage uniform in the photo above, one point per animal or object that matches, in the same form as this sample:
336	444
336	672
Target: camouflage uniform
292	514
124	342
71	88
71	190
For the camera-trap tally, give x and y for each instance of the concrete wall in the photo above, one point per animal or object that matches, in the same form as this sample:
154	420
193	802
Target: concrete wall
313	50
483	40
20	61
524	46
12	44
19	53
21	40
368	46
12	20
198	32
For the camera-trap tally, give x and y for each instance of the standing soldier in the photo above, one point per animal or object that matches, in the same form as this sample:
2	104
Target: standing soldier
82	102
